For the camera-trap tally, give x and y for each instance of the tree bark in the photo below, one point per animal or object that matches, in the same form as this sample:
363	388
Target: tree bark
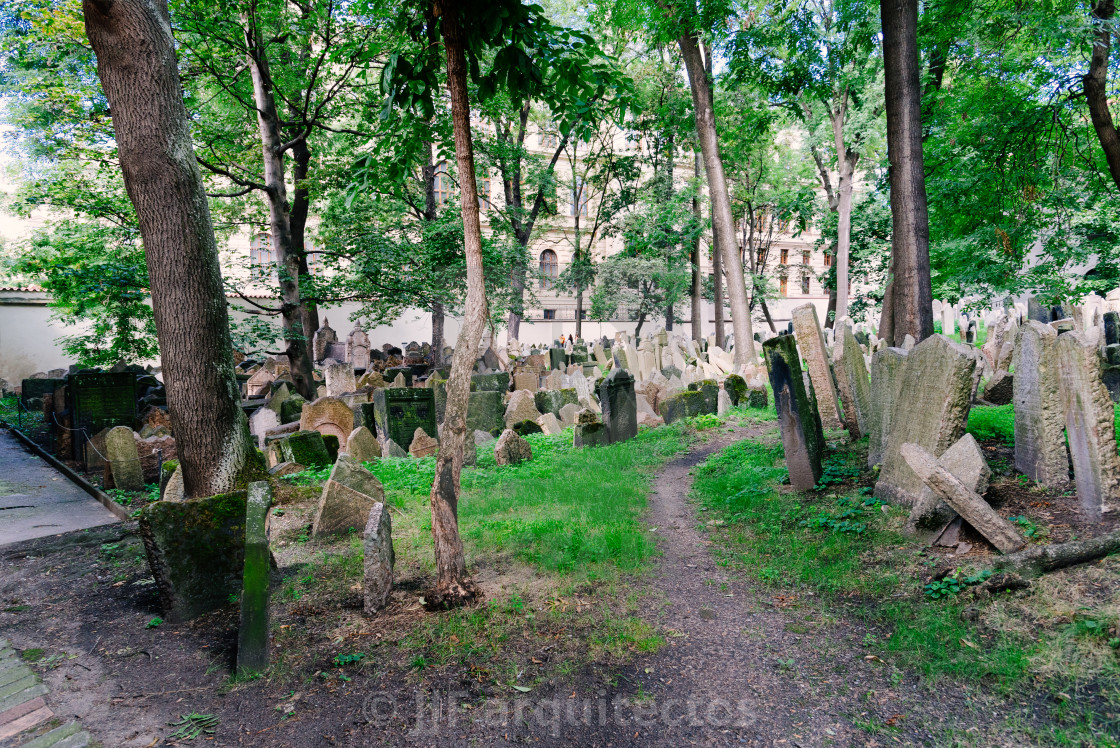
723	225
296	337
431	212
911	298
1037	560
1095	85
138	71
846	166
697	270
454	586
301	206
717	293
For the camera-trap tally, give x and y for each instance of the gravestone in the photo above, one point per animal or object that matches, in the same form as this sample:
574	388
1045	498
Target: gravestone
1090	430
620	408
379	559
348	496
200	570
802	436
549	424
807	330
357	348
253	633
568	414
339	377
260	384
398	412
852	382
965	461
362	445
322	341
511	449
33	390
496	382
526	380
485	411
422	445
305	448
521	407
1040	445
936	391
886	380
124	460
1111	328
680	405
329	416
100	401
556	358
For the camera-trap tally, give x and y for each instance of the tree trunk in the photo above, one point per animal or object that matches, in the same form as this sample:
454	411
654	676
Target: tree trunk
454	586
846	162
766	313
830	314
697	271
137	67
578	268
723	227
1039	559
301	206
911	299
276	191
717	293
1095	85
431	212
438	319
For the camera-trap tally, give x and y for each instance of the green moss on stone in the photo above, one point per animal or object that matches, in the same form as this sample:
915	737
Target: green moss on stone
736	388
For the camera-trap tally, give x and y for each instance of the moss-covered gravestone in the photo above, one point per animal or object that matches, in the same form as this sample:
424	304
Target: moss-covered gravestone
252	635
196	550
736	388
306	448
399	411
485	410
620	406
802	435
709	388
682	405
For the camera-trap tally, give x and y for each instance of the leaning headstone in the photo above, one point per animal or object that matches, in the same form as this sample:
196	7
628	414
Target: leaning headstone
965	461
549	424
807	330
1089	418
339	377
723	403
349	494
852	382
620	408
522	407
392	449
886	380
197	571
800	425
379	559
252	634
362	445
1111	328
124	460
568	414
485	411
305	448
936	389
511	449
330	416
1040	445
422	445
1000	389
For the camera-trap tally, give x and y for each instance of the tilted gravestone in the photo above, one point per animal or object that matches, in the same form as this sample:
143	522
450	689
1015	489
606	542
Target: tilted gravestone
886	380
936	389
124	459
485	411
620	406
807	330
348	496
330	416
557	359
852	382
1040	445
802	436
398	412
379	559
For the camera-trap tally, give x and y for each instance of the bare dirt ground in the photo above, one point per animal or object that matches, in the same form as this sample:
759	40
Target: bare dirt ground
742	666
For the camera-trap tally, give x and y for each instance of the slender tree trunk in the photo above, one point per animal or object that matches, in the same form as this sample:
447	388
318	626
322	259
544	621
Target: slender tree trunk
717	292
722	224
846	162
576	260
830	315
697	290
301	206
454	586
911	299
438	322
276	191
138	71
1095	85
641	321
766	313
431	213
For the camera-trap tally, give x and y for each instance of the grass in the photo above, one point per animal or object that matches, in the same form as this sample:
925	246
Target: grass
998	423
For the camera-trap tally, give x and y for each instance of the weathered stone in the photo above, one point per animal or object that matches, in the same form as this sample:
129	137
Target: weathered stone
329	416
292	409
392	449
511	449
280	469
306	448
253	633
422	445
620	409
936	388
483	437
756	398
682	405
521	407
1000	389
196	551
124	460
379	559
1040	445
549	424
965	461
736	388
723	403
886	381
802	436
526	381
852	382
1089	423
398	412
349	494
709	389
524	428
590	435
362	445
173	489
568	414
497	382
485	411
807	330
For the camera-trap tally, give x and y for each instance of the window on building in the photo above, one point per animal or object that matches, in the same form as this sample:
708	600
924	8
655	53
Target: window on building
550	270
484	194
583	314
828	259
805	258
784	287
579	198
261	262
443	185
785	256
547	135
805	284
550	314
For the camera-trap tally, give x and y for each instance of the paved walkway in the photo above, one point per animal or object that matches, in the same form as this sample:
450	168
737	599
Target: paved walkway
37	500
24	714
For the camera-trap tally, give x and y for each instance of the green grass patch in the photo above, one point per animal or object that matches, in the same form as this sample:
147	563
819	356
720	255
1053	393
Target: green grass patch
992	423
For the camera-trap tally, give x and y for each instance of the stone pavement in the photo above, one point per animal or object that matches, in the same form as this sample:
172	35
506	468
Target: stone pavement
24	714
36	500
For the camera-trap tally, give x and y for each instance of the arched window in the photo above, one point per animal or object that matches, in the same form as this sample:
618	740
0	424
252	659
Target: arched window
261	263
550	270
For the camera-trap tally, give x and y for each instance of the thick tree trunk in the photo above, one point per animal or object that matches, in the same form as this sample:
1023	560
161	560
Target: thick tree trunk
454	586
723	227
911	301
137	67
301	206
1095	85
276	191
697	290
